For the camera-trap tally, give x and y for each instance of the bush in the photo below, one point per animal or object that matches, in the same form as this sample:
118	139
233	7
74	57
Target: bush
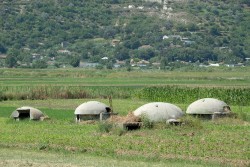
40	64
146	123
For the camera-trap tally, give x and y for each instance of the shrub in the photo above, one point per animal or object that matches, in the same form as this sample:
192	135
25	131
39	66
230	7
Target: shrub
146	123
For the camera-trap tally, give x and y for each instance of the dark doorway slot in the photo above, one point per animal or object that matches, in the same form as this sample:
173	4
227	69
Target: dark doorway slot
132	126
24	115
78	117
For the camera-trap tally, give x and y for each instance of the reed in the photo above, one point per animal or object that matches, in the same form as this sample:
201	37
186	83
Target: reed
185	95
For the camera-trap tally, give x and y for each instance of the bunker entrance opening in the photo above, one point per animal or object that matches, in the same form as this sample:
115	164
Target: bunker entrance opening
23	114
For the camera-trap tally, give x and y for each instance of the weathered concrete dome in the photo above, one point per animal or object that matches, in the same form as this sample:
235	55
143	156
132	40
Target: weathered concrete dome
92	108
159	111
207	106
27	112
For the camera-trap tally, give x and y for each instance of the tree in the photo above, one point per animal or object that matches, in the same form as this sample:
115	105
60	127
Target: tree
180	27
122	53
2	48
192	27
11	59
109	32
214	31
146	54
239	52
75	61
169	25
164	63
40	64
109	65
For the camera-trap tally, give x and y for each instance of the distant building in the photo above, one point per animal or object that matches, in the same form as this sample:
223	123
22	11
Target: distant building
214	65
64	51
156	64
105	58
131	6
175	36
187	42
35	56
235	65
145	47
3	56
88	65
119	63
143	63
115	42
165	37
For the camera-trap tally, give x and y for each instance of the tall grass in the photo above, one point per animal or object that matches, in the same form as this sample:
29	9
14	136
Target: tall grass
185	95
62	92
172	94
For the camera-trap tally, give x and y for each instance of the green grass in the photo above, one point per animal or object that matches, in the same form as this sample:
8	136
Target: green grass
17	157
215	77
57	93
171	86
220	142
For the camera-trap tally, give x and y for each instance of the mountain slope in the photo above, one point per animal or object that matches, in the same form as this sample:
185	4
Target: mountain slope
186	30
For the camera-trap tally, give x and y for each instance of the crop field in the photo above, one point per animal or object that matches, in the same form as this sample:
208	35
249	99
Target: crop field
59	141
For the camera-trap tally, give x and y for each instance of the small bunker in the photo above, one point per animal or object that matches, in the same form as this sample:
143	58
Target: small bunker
159	111
27	113
92	110
209	108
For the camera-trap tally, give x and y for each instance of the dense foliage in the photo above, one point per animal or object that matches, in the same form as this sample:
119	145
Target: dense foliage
65	32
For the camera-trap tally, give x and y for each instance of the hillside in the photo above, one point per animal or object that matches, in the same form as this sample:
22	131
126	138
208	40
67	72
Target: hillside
58	33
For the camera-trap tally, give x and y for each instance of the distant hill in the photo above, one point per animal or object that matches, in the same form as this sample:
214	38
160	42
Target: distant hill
55	32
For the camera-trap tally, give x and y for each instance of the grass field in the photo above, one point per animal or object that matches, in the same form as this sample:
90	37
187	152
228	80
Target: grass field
210	77
17	157
218	143
59	141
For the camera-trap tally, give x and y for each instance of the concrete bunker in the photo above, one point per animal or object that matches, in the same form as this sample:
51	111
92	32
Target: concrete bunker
160	112
209	108
27	113
92	110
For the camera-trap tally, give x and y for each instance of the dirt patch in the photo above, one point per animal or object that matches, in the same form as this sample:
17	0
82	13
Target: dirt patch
26	163
220	160
124	119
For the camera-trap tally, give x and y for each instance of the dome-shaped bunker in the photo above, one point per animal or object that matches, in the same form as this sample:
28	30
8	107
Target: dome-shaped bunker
208	107
92	110
27	112
159	111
